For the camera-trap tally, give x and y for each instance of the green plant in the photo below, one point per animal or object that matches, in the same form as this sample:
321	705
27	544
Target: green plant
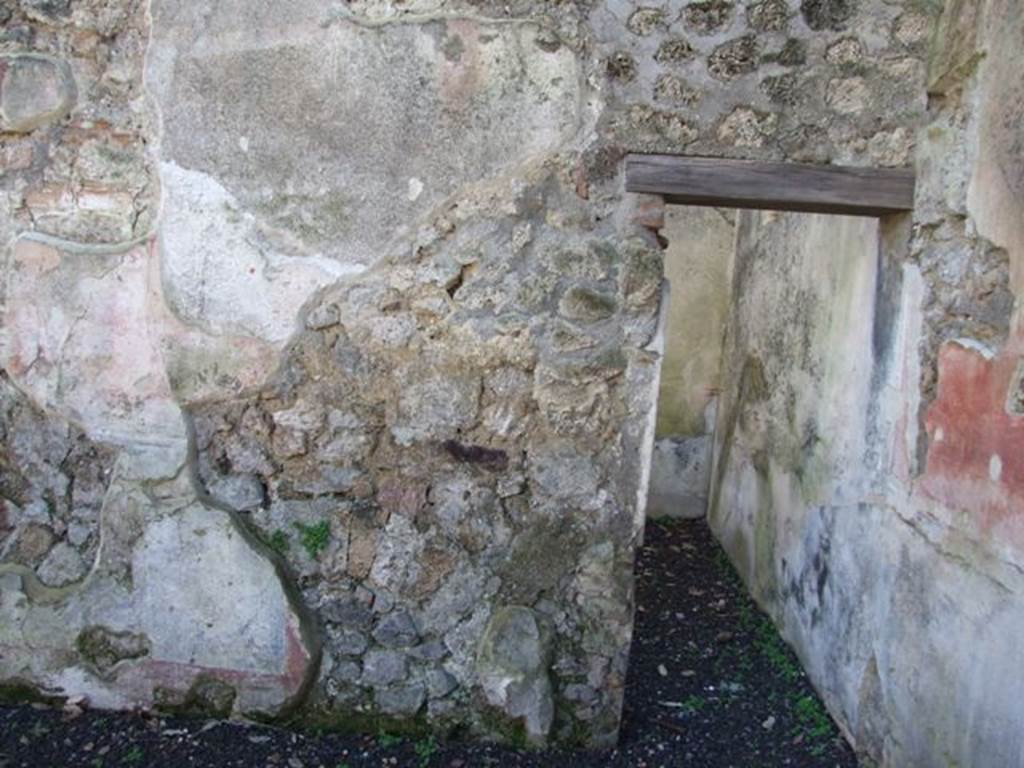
425	749
775	651
693	704
278	541
314	538
814	722
813	718
133	755
388	740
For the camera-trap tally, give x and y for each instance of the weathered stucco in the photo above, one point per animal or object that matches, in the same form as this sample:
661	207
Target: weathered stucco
868	478
271	192
330	342
698	267
343	388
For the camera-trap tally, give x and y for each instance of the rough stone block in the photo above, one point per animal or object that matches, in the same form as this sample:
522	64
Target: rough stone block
512	668
382	668
396	630
401	699
34	90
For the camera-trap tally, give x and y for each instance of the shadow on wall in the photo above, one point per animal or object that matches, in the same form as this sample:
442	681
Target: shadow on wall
698	265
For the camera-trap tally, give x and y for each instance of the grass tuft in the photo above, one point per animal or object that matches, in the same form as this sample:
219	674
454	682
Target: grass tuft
314	538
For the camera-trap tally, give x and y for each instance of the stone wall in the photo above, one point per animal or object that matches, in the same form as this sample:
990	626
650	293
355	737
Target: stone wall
330	339
868	475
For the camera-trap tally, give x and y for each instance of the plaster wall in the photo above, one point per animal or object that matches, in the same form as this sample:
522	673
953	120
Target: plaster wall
698	268
867	478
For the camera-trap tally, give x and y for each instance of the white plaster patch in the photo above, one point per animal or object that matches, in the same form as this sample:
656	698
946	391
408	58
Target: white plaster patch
976	346
218	271
905	394
657	346
415	189
221	607
995	468
217	626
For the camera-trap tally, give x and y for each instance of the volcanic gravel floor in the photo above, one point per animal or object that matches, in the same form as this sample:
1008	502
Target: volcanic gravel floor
710	684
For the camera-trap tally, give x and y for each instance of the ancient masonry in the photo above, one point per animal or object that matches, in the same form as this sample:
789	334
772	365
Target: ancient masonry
330	348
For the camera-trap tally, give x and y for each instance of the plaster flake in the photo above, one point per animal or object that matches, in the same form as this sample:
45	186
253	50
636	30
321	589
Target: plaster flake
212	633
217	273
80	338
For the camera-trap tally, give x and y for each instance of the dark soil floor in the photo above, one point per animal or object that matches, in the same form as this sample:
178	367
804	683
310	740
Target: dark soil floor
710	684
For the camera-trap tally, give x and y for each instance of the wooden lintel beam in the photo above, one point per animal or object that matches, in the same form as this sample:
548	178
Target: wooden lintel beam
778	186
